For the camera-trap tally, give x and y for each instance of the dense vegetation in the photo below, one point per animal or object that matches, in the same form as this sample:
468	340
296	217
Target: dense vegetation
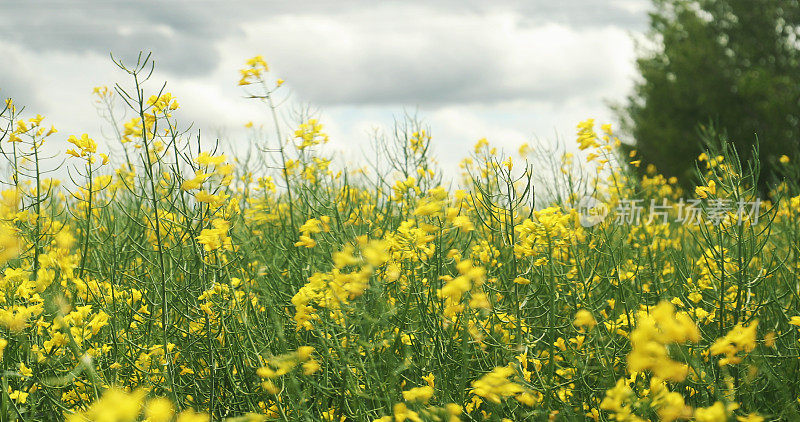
172	281
730	66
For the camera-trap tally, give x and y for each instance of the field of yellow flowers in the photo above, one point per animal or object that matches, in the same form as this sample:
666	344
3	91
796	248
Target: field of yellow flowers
173	282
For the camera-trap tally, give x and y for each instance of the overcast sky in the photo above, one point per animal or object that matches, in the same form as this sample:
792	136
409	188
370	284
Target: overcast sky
508	71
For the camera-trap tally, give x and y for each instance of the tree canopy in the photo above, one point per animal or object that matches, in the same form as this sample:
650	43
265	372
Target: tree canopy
728	64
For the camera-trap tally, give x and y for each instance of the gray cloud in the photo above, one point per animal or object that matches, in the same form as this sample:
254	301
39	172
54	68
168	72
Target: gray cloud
182	33
176	33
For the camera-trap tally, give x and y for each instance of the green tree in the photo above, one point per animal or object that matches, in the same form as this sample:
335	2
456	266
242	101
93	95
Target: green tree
733	65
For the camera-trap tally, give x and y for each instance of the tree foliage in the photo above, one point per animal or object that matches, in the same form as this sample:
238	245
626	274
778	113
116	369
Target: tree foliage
726	65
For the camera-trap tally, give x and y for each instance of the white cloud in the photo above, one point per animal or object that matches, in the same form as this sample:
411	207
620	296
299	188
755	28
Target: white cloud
385	57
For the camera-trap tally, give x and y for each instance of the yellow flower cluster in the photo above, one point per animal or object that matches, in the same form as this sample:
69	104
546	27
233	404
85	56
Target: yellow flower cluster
120	406
496	386
469	278
281	365
338	287
312	226
32	128
310	134
254	71
741	338
654	331
587	137
216	238
87	147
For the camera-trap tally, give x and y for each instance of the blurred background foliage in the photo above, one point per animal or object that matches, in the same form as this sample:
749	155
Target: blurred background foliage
728	68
